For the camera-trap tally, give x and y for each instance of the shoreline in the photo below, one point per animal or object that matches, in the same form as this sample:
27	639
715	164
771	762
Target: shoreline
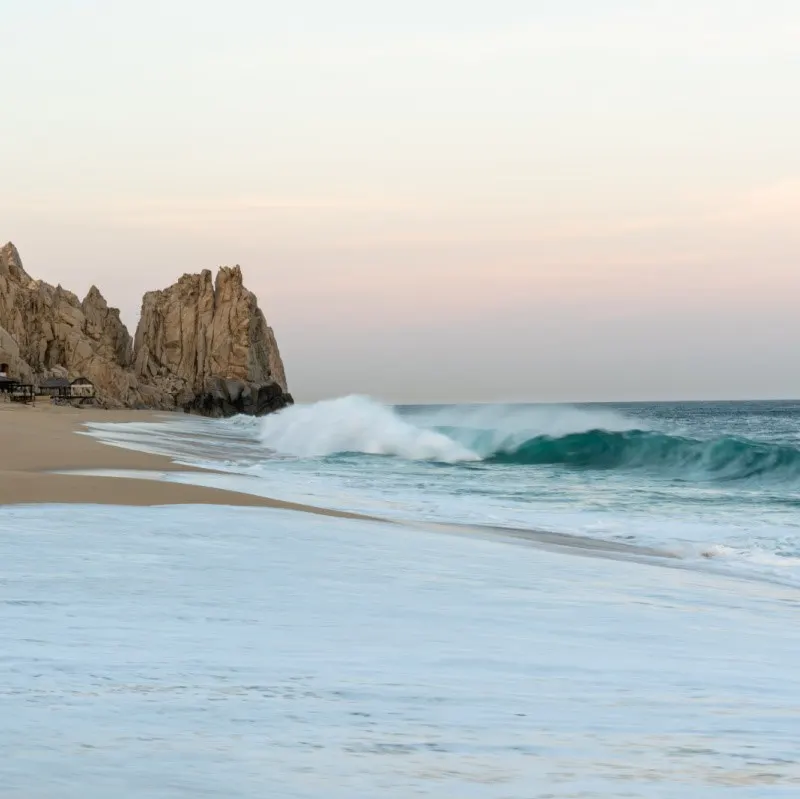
41	444
48	455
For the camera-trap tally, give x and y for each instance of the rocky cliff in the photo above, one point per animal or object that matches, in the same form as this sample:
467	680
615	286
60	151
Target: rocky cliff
208	344
58	335
200	345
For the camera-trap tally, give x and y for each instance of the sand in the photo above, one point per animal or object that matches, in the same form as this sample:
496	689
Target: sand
36	441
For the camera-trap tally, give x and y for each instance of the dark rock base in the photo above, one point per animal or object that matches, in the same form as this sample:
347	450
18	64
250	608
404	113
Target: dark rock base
224	398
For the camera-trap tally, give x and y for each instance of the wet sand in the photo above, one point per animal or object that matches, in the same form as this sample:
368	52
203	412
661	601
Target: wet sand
36	441
39	441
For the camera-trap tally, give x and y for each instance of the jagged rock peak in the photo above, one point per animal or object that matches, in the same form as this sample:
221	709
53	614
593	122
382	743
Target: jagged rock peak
95	297
230	274
11	263
201	343
196	333
103	324
53	332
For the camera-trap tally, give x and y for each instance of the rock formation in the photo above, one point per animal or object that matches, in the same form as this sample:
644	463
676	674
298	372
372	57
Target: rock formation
209	346
54	336
104	326
9	354
199	346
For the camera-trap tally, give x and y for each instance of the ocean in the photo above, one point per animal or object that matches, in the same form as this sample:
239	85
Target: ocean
702	480
249	652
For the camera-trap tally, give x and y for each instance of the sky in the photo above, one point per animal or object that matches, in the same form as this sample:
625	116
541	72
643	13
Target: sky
434	201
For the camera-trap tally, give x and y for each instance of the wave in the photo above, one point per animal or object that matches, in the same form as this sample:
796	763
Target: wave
566	436
723	458
448	434
356	425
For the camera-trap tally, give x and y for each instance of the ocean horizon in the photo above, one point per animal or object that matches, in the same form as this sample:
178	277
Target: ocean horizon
279	517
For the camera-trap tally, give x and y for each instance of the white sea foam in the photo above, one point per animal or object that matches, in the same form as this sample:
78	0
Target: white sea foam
284	456
224	652
449	434
356	424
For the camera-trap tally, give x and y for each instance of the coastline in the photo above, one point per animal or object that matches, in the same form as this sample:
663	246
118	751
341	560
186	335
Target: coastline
43	444
37	441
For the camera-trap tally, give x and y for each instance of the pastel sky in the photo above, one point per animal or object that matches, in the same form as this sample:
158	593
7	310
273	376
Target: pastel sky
434	200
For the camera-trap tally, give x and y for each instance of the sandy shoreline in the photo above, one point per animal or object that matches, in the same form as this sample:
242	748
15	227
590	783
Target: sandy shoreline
37	441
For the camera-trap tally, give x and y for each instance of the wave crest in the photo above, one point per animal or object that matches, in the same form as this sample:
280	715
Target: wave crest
724	458
353	425
572	437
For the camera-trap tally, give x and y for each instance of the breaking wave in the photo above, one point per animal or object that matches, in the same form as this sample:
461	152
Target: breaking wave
716	459
356	425
558	436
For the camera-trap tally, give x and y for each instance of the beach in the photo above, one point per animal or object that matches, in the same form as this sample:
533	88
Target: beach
40	440
54	461
161	638
400	400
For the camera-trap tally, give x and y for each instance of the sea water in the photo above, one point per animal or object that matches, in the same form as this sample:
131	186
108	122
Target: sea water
241	652
705	480
238	652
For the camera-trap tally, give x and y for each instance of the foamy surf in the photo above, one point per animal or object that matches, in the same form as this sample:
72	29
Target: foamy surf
709	483
211	652
356	425
596	439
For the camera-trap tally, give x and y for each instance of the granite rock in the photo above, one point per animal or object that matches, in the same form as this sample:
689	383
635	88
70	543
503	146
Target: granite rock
201	345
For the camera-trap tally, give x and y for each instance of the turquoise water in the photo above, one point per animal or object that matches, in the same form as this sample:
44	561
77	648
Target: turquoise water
719	480
250	652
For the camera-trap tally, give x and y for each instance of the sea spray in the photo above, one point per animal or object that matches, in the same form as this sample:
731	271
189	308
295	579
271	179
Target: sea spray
579	438
356	425
700	479
449	434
